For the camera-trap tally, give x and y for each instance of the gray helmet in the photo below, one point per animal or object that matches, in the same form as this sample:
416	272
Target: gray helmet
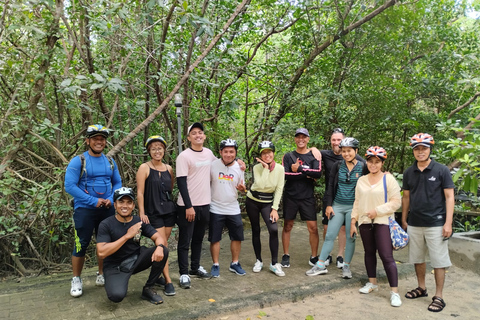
349	142
122	192
228	143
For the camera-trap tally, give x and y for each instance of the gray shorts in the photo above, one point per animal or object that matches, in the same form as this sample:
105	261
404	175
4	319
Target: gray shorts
431	238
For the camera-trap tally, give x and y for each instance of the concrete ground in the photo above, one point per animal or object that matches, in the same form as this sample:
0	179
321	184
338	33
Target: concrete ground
226	297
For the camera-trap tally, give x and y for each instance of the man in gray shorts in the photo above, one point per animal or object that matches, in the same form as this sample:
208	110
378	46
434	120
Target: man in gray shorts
428	194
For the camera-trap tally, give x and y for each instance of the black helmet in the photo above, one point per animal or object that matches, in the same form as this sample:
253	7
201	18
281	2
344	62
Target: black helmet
122	192
349	142
97	129
228	143
152	139
266	145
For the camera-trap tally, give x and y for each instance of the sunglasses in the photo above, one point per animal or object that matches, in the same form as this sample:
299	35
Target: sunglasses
338	130
348	178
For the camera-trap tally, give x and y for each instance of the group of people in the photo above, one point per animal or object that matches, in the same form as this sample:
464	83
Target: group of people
358	194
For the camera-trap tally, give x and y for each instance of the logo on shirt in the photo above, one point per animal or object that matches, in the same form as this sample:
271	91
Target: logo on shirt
432	178
227	177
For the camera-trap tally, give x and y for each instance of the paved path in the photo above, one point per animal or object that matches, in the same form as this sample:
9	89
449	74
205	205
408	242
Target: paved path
48	297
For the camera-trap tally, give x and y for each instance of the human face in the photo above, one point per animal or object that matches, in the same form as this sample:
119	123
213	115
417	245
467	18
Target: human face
196	137
301	141
374	165
228	154
156	150
124	206
335	140
348	153
267	156
97	143
421	153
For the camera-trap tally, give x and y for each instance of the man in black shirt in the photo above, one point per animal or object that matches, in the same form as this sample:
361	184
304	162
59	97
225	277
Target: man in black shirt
301	170
118	243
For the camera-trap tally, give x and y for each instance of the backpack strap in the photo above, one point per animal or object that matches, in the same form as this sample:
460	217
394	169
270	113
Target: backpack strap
83	167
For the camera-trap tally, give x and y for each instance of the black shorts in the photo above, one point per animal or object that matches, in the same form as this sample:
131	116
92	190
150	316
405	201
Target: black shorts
306	207
234	225
164	220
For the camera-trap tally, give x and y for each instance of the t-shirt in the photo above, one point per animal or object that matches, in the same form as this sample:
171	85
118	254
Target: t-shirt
223	182
195	165
347	180
300	184
110	230
99	180
427	196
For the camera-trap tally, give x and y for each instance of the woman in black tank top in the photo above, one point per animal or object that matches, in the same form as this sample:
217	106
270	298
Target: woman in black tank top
154	194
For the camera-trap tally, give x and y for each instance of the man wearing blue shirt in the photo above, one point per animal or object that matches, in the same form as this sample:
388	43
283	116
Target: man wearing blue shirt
90	179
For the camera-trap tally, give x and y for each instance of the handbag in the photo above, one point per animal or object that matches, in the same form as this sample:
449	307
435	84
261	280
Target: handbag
399	236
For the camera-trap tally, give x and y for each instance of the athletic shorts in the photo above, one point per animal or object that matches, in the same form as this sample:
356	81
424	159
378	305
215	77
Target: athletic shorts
165	220
431	238
234	225
85	222
306	207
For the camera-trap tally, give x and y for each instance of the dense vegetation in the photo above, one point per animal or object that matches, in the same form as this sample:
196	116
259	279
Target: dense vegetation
251	70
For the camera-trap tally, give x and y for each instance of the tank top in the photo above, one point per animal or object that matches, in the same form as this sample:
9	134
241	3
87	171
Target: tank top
156	200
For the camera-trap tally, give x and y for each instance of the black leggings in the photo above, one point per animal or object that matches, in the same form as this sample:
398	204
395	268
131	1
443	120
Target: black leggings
375	238
254	209
116	281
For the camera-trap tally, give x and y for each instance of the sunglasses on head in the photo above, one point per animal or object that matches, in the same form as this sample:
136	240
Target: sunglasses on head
339	130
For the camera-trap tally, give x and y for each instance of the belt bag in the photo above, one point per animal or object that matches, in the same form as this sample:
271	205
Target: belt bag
262	195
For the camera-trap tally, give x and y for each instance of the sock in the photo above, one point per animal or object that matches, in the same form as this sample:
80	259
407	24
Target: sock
321	264
235	262
216	264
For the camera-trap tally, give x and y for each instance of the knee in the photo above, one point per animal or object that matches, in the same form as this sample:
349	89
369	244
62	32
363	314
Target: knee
313	229
288	226
116	296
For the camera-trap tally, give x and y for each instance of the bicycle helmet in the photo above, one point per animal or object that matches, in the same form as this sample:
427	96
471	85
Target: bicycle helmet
152	139
266	145
376	151
122	192
422	139
97	129
349	142
228	143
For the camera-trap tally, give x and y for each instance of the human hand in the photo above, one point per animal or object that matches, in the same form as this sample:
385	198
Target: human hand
372	214
274	216
133	230
241	164
107	203
190	214
264	164
158	254
296	165
241	186
329	212
100	203
144	218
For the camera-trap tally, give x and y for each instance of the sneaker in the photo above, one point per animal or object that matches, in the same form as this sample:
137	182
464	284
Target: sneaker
277	269
185	281
161	282
395	300
200	273
151	295
237	268
313	261
339	262
215	271
169	289
328	261
316	270
369	287
346	273
76	289
286	261
100	282
258	266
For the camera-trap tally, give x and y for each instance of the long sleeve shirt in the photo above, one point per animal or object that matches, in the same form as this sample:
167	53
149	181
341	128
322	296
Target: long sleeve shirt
268	182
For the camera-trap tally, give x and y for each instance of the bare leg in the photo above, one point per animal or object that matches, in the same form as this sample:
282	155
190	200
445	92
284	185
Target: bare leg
77	265
287	230
420	269
439	281
235	247
215	251
166	273
313	231
342	242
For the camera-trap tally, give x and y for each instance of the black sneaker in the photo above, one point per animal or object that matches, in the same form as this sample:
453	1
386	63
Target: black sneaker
328	261
313	260
160	282
200	273
339	262
286	261
151	295
169	289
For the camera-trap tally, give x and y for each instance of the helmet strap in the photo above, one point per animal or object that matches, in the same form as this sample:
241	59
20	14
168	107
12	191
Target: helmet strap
95	152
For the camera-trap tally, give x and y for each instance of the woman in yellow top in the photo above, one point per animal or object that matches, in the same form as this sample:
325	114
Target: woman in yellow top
371	210
263	199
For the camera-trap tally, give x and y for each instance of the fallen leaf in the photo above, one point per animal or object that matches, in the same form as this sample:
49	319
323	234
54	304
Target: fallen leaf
211	300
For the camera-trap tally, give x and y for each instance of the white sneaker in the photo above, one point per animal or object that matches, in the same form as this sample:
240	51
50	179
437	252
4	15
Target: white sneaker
277	269
100	282
395	300
369	287
76	289
185	282
258	266
316	270
346	273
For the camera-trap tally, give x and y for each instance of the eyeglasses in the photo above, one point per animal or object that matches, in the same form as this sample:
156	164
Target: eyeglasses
156	150
338	130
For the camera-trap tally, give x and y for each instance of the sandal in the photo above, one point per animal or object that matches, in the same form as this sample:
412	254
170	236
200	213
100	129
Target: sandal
437	304
416	293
